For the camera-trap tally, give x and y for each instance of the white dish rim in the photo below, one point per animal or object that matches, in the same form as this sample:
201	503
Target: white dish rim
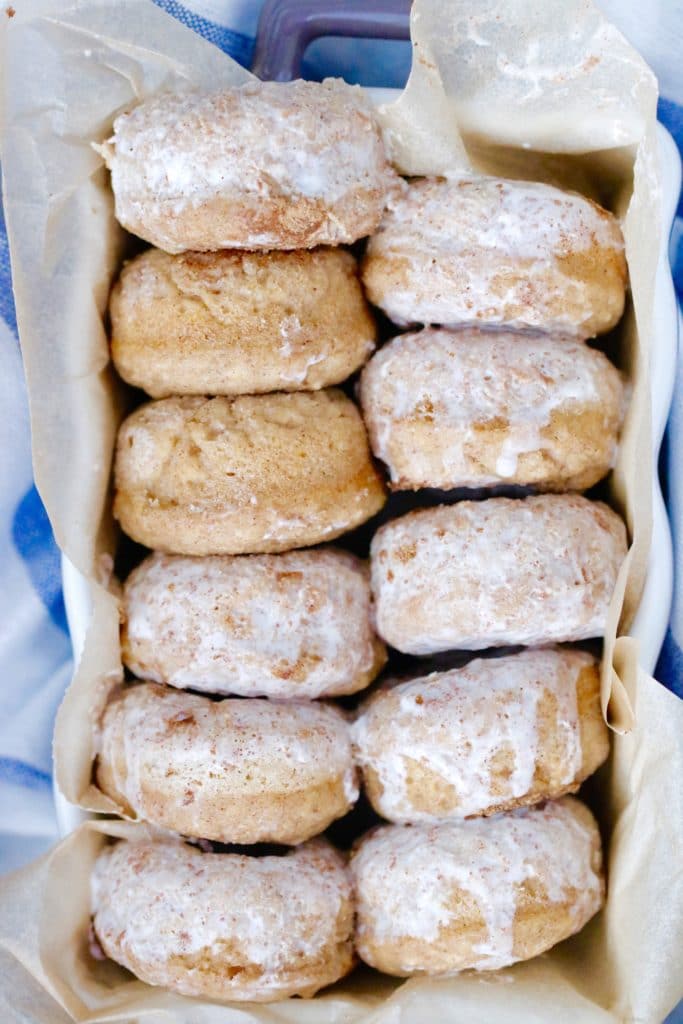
651	621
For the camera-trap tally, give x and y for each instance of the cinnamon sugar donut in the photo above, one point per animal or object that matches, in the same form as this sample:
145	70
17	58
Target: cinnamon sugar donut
235	771
477	407
267	165
290	625
488	250
230	323
499	572
225	925
258	473
481	894
497	734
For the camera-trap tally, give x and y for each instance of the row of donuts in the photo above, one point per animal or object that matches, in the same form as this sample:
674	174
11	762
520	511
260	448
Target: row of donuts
439	415
299	624
478	407
265	471
294	166
496	734
473	407
480	574
248	473
468	576
494	401
412	899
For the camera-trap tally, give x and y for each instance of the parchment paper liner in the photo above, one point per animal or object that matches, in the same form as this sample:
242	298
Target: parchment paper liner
550	92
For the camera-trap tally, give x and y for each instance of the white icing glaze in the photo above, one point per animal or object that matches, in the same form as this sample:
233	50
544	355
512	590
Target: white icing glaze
453	724
268	149
500	572
452	240
268	140
405	876
460	380
153	901
295	624
248	747
282	527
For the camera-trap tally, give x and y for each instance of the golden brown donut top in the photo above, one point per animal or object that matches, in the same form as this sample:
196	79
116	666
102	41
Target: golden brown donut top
239	322
259	746
239	451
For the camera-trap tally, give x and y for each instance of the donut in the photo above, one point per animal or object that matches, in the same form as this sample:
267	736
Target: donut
267	165
478	894
225	925
497	734
290	625
488	250
230	323
480	407
257	473
498	572
233	771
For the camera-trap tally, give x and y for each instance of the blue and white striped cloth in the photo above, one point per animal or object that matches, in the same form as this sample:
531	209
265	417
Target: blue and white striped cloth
35	654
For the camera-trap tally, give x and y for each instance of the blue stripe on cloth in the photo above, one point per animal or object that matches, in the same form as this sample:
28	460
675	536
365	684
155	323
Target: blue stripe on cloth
676	256
670	664
20	773
235	44
32	536
676	1016
671	116
7	310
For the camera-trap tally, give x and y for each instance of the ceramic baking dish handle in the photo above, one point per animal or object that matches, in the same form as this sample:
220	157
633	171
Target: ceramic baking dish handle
286	27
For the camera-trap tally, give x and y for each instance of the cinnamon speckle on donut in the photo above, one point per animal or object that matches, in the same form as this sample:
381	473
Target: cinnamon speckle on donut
297	624
498	572
485	250
225	926
234	771
267	165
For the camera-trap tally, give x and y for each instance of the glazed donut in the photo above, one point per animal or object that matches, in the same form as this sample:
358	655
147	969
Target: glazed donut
290	625
234	771
477	407
231	323
268	165
488	250
481	894
258	473
499	572
225	925
497	734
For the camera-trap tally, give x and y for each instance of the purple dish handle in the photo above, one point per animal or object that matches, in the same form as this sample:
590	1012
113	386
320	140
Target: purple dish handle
286	27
